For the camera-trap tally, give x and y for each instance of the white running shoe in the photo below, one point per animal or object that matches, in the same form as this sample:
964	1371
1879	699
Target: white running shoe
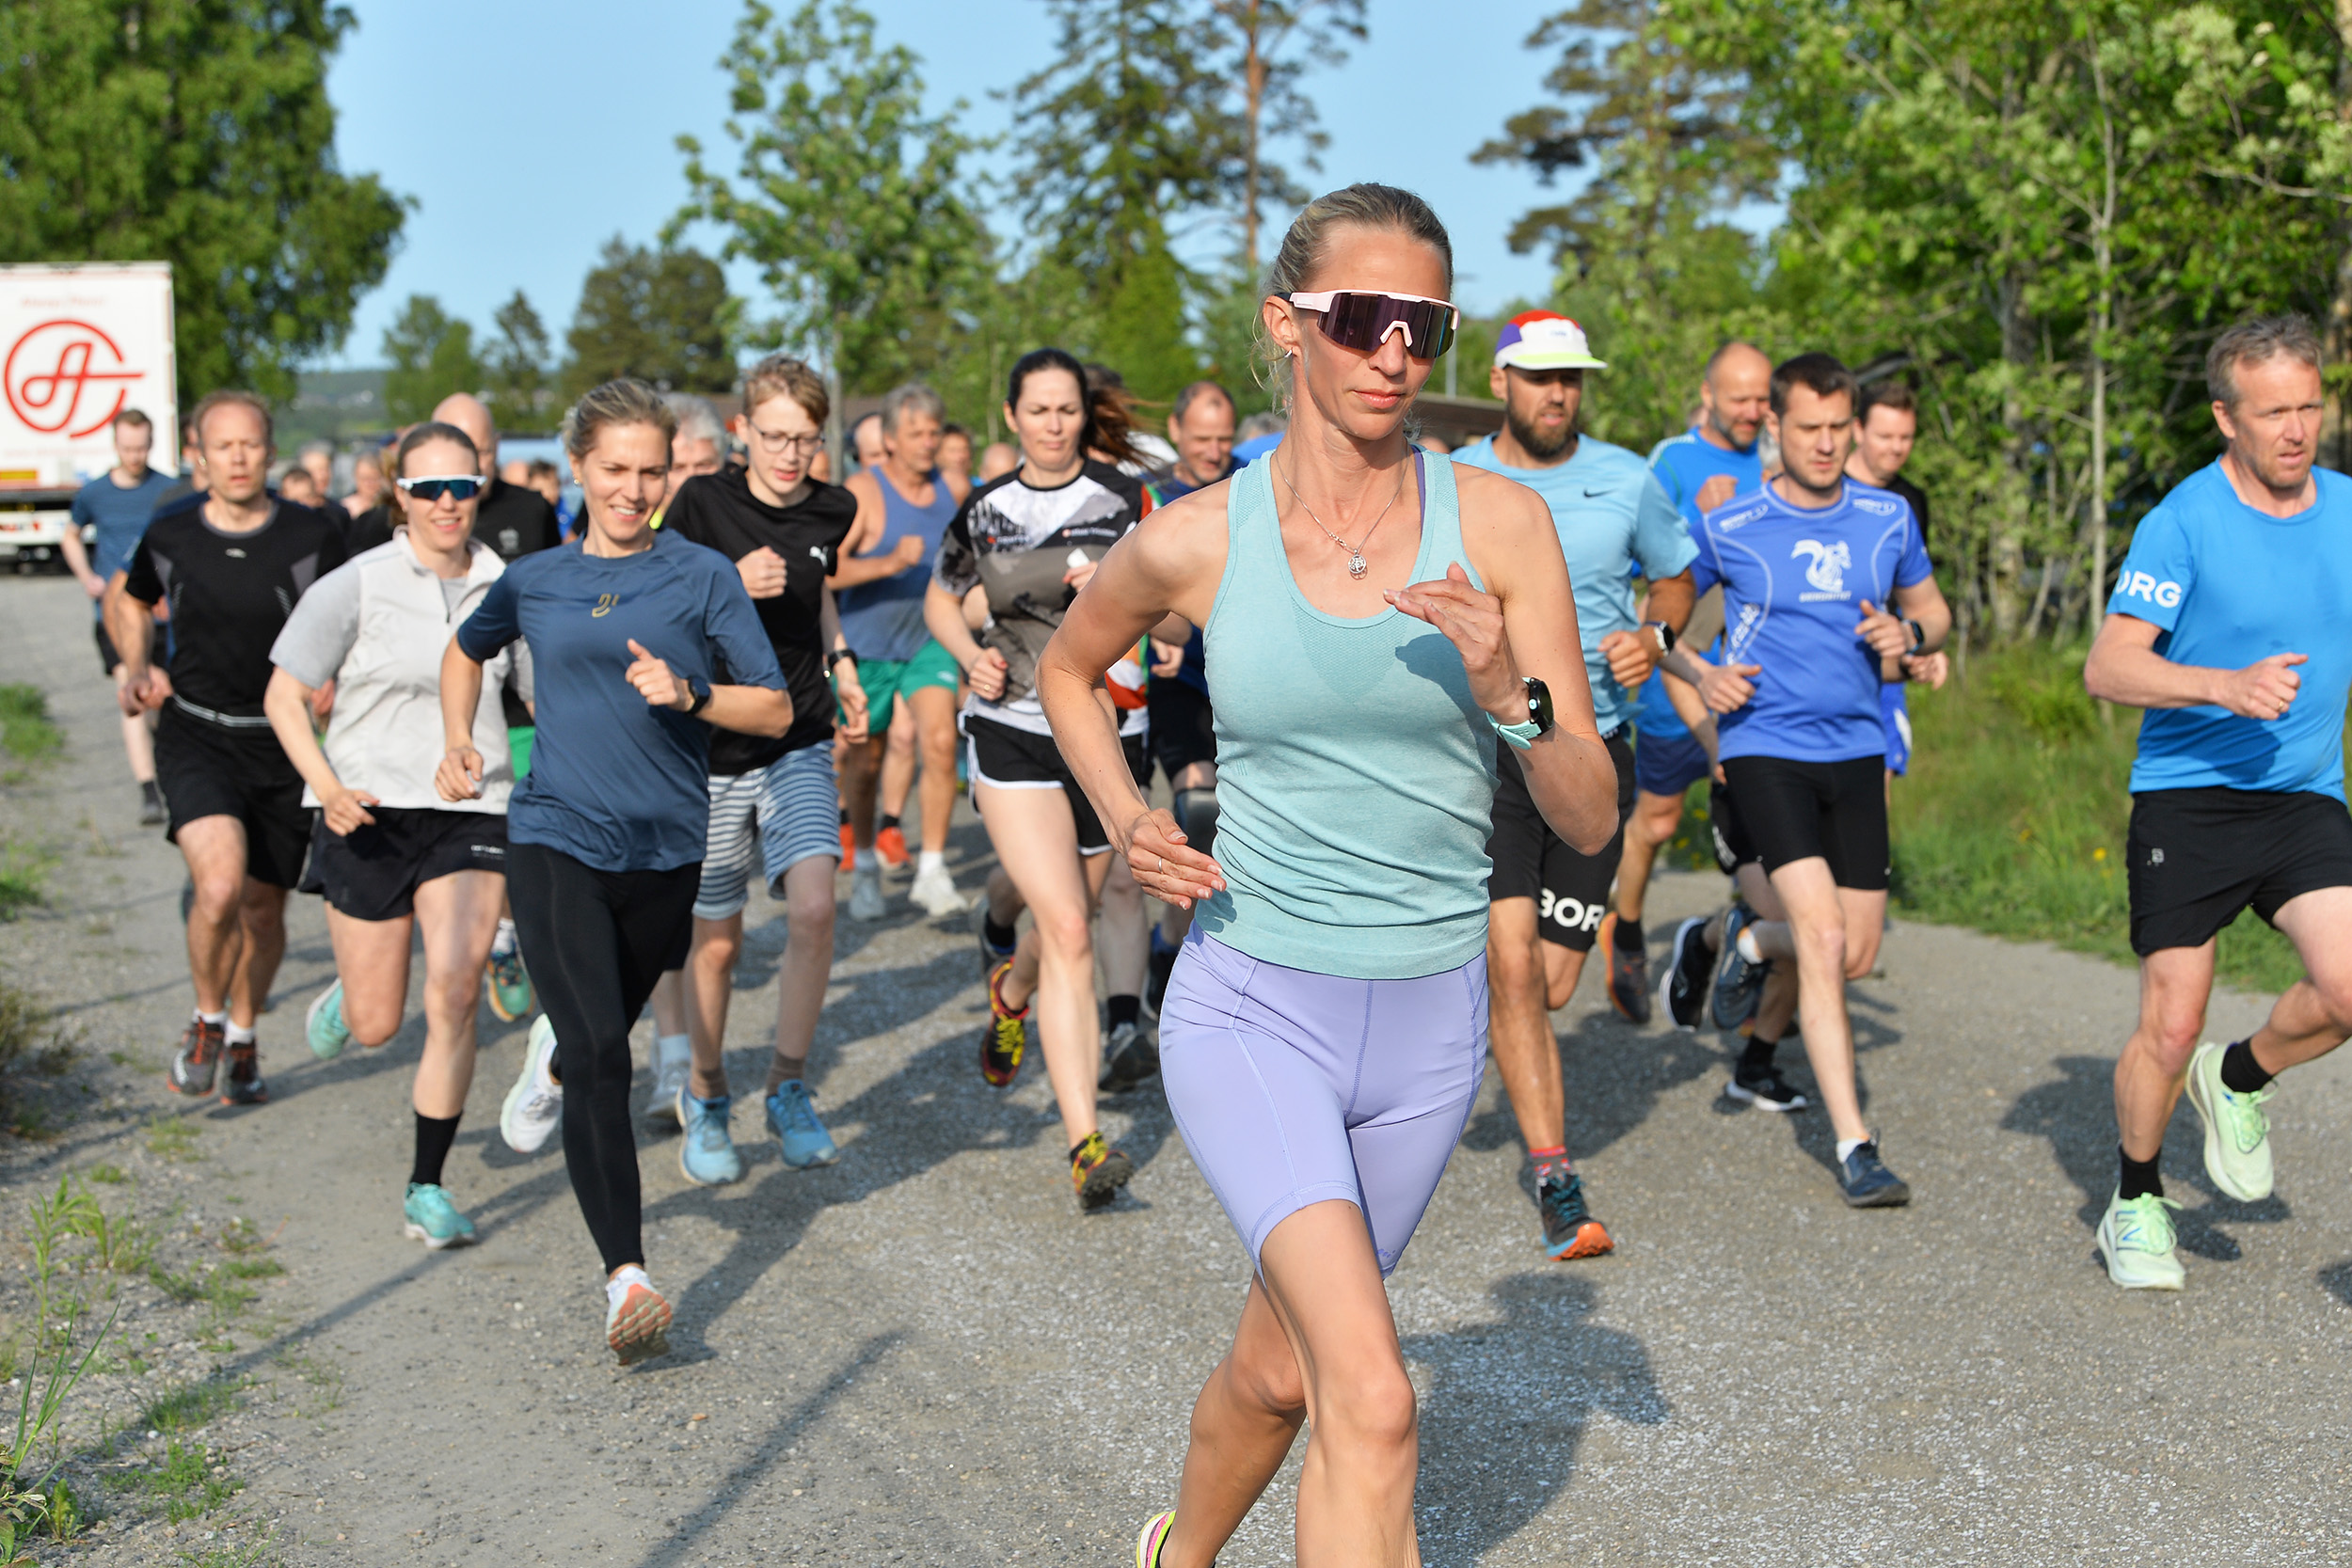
669	1080
535	1104
935	890
865	893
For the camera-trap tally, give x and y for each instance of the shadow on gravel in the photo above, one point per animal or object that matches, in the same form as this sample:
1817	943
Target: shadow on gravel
1614	1074
1492	1458
2337	1279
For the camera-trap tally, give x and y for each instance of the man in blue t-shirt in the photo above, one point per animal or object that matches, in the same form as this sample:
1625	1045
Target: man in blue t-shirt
116	506
1547	901
2227	625
1734	394
1826	588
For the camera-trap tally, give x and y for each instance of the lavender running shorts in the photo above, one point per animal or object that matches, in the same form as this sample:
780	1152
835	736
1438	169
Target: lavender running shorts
1293	1089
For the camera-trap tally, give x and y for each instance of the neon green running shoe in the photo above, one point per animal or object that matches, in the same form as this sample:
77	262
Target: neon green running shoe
1152	1538
2135	1237
325	1024
2237	1133
434	1220
510	986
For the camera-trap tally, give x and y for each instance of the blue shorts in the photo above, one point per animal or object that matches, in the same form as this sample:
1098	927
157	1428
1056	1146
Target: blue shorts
1895	713
1669	765
1293	1089
789	806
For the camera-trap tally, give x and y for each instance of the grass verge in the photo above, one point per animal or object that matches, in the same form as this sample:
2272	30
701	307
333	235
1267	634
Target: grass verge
28	733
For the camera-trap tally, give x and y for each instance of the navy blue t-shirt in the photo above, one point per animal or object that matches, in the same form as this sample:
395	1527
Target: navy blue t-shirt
1794	581
2227	585
615	783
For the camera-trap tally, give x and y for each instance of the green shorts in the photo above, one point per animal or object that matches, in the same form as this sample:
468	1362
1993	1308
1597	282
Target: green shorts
885	680
519	740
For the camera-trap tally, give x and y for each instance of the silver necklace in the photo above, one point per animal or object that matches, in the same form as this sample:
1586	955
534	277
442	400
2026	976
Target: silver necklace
1357	565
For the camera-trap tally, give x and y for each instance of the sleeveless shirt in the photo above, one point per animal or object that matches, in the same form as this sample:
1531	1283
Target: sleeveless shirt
883	619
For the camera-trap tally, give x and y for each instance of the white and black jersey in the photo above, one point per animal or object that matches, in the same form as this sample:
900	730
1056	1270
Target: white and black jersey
1018	541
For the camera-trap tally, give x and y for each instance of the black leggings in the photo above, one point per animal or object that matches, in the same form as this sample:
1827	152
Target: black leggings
595	943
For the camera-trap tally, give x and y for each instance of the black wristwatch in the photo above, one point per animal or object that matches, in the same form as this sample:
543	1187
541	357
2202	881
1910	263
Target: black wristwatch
1919	635
697	694
835	655
1666	637
1538	705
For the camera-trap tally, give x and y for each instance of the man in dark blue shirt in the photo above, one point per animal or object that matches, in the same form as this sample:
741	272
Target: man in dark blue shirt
116	506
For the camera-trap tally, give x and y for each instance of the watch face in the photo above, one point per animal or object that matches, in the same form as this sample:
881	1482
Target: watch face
1539	703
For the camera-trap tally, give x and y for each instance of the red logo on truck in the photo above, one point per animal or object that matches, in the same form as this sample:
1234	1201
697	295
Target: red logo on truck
58	377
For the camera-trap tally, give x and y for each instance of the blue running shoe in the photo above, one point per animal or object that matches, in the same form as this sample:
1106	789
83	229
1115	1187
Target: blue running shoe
325	1024
433	1219
705	1154
1738	982
793	1119
1868	1183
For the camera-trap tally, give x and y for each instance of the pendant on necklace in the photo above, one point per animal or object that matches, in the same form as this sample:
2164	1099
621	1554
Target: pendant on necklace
1356	566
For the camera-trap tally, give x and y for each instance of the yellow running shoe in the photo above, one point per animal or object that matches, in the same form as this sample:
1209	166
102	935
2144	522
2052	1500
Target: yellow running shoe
1097	1171
1006	1035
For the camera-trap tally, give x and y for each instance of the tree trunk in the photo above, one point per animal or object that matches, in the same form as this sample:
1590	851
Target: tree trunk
2339	306
2005	551
1253	86
2102	320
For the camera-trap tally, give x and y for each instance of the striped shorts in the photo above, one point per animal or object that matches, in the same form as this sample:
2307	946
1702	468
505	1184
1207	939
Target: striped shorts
793	810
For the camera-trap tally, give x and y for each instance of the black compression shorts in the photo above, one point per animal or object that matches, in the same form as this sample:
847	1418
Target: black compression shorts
1183	730
1530	861
1009	758
1792	810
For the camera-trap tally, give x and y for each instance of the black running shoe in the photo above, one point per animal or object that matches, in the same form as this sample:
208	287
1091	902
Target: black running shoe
1766	1090
242	1084
1738	982
1868	1182
1683	989
1129	1058
1628	972
1569	1228
197	1059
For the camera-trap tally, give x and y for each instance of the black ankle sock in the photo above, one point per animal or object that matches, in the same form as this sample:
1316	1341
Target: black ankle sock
999	936
887	821
1757	1055
433	1136
2139	1178
2240	1072
1126	1009
1628	935
844	817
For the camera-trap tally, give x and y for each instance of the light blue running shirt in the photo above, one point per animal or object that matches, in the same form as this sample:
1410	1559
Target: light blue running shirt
2227	585
1793	585
1612	515
1685	463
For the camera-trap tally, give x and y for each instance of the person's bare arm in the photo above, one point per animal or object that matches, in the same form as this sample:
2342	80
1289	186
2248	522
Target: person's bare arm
459	775
77	559
1632	654
852	566
1524	624
2125	667
288	705
745	709
130	621
983	668
1169	564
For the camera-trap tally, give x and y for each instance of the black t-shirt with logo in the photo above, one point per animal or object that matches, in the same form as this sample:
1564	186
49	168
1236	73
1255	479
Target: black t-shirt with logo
720	511
230	593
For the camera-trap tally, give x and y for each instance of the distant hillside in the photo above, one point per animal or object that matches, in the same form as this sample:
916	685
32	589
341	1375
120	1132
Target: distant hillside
338	405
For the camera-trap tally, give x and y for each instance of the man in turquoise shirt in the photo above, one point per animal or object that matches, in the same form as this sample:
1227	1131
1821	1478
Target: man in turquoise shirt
1548	902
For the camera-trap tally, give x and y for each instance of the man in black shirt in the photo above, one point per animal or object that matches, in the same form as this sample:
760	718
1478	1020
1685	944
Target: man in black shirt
231	563
1886	424
784	531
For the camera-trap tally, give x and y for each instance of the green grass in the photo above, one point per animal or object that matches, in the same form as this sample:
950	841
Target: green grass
190	1483
26	731
190	1405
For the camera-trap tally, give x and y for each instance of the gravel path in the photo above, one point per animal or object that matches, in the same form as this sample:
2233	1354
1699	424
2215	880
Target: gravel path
925	1354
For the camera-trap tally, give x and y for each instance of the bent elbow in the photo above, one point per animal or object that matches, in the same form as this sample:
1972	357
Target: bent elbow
780	716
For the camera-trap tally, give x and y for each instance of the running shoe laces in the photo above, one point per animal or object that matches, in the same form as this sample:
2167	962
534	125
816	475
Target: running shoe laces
1569	1228
2145	1224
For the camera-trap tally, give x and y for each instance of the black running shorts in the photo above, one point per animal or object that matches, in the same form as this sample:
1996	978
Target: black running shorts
208	769
1183	730
2196	857
1836	811
1007	758
1530	861
1734	848
373	872
107	658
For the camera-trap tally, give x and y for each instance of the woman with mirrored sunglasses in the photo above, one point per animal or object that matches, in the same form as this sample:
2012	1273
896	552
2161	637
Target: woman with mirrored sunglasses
390	855
1376	622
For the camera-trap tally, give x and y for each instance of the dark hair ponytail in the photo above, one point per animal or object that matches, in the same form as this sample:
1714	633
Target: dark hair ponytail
1054	359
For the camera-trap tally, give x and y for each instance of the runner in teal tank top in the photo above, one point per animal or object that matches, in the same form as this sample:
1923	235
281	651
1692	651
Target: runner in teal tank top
1375	623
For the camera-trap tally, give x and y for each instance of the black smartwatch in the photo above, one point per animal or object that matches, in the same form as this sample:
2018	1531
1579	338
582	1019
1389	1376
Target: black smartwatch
1666	639
835	655
1919	635
1538	705
697	694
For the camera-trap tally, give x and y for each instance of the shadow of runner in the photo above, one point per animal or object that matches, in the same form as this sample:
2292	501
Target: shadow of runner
1614	1076
1507	1408
736	1488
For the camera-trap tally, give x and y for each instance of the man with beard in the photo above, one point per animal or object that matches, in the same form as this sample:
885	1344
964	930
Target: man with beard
1720	444
1615	523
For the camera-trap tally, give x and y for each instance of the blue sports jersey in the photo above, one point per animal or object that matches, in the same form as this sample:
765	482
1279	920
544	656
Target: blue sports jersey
1794	581
1653	715
1610	517
118	516
615	783
2228	585
1685	463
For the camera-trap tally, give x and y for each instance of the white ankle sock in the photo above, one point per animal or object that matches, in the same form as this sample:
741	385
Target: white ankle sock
617	1286
670	1048
239	1034
1748	949
1847	1146
218	1021
929	860
504	943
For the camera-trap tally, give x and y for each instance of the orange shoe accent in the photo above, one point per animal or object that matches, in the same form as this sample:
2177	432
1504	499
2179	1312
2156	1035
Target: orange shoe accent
891	845
1592	1240
849	845
641	1329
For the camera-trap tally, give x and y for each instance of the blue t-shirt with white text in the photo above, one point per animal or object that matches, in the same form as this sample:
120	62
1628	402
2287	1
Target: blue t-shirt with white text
1612	516
2227	585
1794	582
615	783
1685	463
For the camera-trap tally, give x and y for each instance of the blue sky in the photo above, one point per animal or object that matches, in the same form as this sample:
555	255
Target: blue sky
528	142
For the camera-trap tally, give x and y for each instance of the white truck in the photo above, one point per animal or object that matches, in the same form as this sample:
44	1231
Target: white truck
78	345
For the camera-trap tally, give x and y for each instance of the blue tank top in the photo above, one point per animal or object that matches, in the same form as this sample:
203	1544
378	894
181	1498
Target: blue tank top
883	619
1355	773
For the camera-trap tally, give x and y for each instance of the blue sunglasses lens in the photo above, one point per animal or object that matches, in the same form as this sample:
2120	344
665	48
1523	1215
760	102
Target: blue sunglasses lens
433	490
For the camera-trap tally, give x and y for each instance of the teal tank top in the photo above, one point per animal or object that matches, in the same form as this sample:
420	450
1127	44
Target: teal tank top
1355	774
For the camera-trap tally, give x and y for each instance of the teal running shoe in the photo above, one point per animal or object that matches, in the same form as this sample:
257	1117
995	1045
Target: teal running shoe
510	987
2238	1130
2135	1237
433	1219
325	1024
793	1119
705	1154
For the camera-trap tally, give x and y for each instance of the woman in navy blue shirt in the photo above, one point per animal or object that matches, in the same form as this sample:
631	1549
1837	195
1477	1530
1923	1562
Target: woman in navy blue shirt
637	640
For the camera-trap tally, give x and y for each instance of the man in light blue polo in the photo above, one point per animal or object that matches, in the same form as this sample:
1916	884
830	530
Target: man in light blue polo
1547	901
